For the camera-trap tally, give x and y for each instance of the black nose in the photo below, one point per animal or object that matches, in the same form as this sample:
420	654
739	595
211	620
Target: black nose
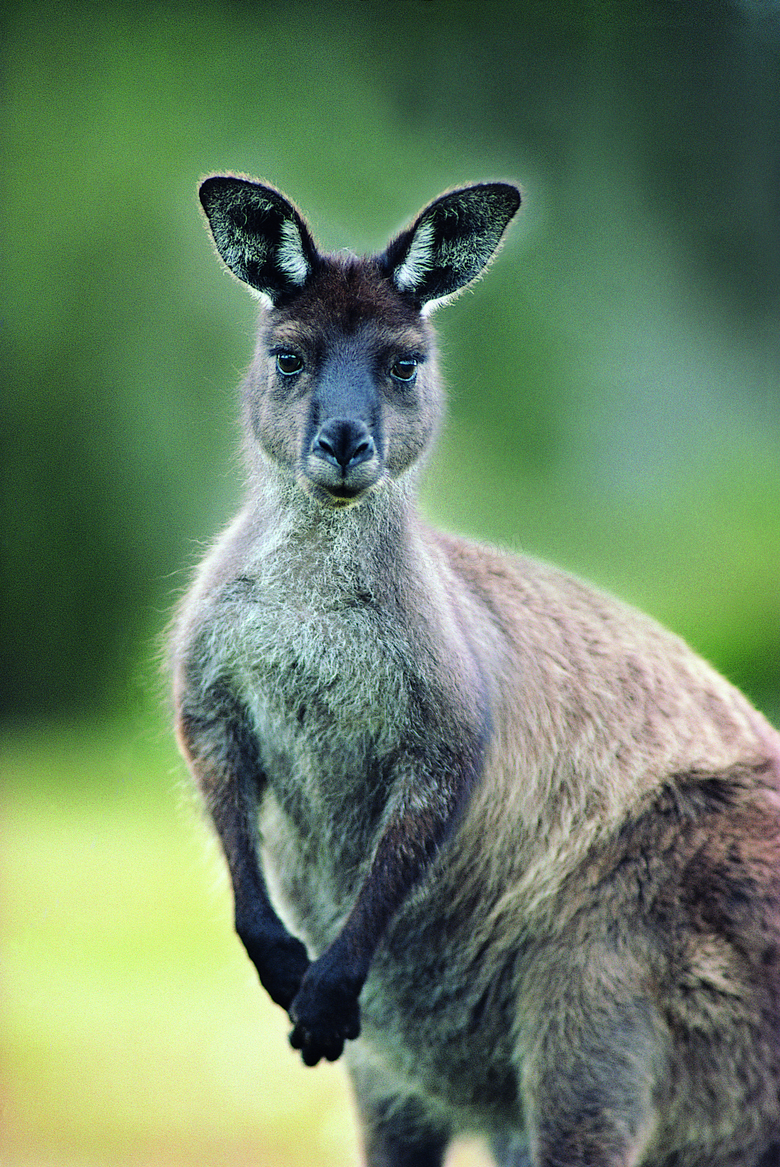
344	443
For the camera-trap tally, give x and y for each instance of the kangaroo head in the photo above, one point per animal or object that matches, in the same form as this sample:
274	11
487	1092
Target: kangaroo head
343	395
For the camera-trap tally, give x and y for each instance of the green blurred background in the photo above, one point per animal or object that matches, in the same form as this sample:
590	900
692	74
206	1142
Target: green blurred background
615	407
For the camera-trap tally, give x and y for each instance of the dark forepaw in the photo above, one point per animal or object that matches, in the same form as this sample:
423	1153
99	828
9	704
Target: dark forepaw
325	1014
281	969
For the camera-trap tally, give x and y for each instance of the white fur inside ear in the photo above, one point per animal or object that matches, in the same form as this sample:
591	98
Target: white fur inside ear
419	259
290	257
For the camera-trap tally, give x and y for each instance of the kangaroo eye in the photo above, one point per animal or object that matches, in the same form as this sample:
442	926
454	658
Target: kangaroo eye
288	364
404	370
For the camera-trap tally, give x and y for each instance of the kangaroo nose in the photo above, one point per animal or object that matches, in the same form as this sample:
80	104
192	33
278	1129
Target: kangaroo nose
344	443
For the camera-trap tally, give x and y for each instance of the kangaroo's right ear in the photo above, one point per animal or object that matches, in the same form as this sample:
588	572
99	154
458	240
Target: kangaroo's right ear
260	236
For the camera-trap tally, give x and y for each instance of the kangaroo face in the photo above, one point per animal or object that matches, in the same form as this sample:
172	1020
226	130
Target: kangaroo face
344	400
343	395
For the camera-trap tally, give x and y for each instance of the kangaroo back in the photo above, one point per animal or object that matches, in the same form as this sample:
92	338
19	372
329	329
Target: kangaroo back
504	842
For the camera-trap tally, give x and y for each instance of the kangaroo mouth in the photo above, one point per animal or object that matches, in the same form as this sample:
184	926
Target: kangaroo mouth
337	485
337	491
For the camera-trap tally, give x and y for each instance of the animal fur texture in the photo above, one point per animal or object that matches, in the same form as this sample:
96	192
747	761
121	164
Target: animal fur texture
506	843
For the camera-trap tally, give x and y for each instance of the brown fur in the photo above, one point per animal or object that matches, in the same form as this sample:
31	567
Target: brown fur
524	843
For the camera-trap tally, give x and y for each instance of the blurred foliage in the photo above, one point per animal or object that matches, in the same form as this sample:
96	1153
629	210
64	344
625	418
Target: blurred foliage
615	384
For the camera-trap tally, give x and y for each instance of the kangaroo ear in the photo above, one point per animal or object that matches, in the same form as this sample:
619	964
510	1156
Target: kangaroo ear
450	242
260	236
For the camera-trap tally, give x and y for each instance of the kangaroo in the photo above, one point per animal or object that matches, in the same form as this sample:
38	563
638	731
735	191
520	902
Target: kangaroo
501	840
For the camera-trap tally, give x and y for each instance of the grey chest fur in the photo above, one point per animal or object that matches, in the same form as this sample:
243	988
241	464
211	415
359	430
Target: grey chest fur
329	688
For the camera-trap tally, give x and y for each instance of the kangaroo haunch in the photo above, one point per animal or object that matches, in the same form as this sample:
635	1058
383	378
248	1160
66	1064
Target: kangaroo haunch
500	839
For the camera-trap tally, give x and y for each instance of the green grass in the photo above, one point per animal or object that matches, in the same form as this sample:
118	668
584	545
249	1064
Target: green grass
134	1031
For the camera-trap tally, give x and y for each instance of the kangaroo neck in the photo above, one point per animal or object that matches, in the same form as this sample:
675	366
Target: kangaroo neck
363	553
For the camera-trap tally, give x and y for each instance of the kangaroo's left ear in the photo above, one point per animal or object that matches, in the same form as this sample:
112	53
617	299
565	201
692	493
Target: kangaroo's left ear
450	242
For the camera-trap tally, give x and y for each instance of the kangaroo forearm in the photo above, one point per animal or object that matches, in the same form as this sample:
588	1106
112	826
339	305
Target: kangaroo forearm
280	959
224	755
405	852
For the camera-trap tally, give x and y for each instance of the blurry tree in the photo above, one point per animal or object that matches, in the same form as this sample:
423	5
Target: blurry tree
616	389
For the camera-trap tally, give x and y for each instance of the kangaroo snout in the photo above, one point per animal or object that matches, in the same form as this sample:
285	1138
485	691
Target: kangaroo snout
343	443
342	462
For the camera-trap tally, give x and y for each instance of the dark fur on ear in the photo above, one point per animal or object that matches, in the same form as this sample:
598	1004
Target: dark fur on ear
260	235
450	242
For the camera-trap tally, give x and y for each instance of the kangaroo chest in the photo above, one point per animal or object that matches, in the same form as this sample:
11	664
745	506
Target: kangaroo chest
329	686
325	679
